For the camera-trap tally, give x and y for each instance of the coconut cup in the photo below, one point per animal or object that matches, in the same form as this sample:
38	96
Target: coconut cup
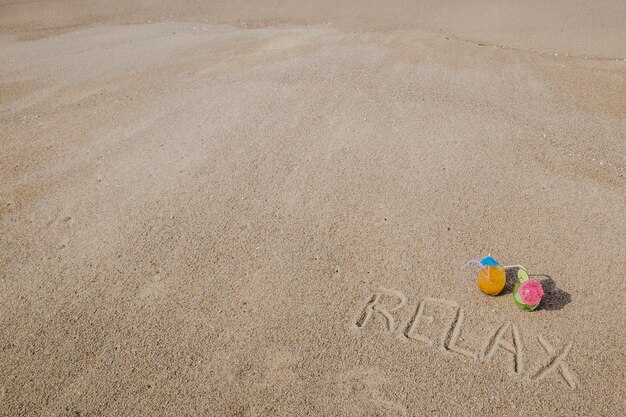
527	293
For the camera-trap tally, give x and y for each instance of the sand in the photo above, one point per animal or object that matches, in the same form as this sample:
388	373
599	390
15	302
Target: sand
262	209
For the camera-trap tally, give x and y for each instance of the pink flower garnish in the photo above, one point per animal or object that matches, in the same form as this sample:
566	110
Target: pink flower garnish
530	292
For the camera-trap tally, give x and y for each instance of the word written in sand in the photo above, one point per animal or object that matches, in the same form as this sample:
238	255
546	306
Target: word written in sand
385	303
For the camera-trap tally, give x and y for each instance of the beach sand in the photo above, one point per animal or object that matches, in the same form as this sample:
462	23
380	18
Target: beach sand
262	209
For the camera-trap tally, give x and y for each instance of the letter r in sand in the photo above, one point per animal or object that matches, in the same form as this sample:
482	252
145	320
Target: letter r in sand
375	305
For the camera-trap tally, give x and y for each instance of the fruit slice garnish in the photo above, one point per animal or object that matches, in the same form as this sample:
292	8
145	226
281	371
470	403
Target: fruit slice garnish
522	275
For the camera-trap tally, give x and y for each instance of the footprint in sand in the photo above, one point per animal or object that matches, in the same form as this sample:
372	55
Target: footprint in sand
153	288
279	367
364	385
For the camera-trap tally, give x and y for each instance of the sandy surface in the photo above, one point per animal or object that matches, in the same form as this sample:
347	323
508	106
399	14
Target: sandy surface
197	204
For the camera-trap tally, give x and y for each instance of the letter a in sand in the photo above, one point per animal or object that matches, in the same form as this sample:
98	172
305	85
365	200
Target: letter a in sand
514	348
